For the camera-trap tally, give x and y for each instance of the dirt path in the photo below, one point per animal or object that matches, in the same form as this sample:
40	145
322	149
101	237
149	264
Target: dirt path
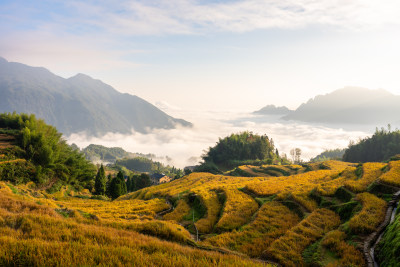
12	161
372	239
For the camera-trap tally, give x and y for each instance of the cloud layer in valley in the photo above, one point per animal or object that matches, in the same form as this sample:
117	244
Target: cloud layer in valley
185	145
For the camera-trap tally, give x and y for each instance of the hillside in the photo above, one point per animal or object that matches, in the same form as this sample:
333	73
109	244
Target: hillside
101	153
350	105
316	214
77	104
31	150
37	229
323	206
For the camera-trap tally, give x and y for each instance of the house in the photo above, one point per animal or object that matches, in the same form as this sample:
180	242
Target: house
159	178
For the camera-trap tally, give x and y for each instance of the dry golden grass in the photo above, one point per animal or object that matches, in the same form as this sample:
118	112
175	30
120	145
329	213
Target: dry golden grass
36	235
371	172
179	212
238	209
349	255
298	184
238	222
251	171
288	248
211	202
392	177
121	210
272	220
371	215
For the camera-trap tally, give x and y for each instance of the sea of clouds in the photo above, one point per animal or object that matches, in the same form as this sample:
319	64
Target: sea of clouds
184	146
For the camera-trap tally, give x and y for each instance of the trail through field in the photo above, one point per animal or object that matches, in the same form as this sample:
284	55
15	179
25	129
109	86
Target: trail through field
6	141
375	237
12	161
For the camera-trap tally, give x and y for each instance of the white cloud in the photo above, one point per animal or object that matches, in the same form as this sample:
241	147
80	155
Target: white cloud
183	144
194	17
62	52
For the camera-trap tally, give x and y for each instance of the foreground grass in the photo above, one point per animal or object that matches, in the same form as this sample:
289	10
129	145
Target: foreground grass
313	214
37	235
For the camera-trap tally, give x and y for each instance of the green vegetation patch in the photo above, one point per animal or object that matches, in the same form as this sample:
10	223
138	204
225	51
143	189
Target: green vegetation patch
197	211
294	207
343	194
262	200
280	171
347	210
388	250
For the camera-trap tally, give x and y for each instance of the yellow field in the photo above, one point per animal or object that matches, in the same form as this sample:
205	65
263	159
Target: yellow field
371	172
272	221
269	217
179	212
36	235
350	256
371	215
393	175
238	209
288	248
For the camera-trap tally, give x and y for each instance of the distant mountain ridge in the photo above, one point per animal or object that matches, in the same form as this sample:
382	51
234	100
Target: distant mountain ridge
77	104
273	110
350	105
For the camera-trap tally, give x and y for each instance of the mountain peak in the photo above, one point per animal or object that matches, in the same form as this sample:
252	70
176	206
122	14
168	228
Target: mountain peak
81	76
273	110
77	104
3	60
350	105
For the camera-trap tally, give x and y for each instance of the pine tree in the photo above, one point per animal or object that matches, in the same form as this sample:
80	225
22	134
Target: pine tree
118	186
100	182
128	184
108	185
133	184
143	181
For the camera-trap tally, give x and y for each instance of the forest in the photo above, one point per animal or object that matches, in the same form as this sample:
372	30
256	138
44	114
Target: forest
383	145
47	159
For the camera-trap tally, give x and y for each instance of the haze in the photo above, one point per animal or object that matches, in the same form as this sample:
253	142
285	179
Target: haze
211	54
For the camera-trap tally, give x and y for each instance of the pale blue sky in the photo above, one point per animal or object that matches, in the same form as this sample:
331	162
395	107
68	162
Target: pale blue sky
211	54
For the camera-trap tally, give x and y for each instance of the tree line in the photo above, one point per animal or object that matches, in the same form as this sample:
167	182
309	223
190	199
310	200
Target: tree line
383	145
114	187
239	149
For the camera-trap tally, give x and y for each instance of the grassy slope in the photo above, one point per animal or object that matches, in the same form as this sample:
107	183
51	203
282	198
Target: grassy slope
293	219
388	249
337	189
33	234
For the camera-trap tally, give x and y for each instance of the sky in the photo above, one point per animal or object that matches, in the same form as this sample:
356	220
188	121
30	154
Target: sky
211	55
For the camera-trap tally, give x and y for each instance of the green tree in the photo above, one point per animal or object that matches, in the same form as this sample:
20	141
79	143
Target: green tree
118	186
143	180
51	158
236	149
100	182
108	185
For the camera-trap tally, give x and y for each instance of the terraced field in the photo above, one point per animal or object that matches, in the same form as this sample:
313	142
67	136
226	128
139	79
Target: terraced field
317	214
304	205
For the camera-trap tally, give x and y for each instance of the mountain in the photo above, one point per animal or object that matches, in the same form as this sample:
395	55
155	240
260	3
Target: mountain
77	104
273	110
110	154
350	105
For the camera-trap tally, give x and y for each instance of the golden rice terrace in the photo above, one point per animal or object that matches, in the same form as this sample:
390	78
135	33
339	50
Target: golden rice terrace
312	215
